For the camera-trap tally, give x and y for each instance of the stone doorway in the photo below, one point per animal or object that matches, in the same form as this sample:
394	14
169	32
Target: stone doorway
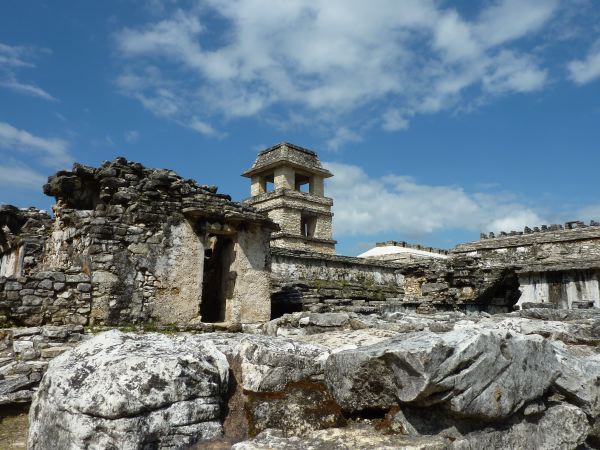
218	280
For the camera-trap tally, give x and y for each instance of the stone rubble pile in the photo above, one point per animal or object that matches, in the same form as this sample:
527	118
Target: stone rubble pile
337	380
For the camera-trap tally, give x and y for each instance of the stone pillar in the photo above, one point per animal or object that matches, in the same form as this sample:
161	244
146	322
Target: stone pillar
258	186
323	227
285	178
317	186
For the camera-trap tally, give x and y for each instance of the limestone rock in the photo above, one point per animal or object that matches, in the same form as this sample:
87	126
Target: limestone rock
130	392
280	384
337	341
561	427
483	374
579	378
268	365
359	438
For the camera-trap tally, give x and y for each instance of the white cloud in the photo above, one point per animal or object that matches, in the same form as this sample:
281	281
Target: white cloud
202	127
511	72
511	19
53	152
15	175
27	89
13	58
341	137
588	69
132	136
393	120
402	206
325	59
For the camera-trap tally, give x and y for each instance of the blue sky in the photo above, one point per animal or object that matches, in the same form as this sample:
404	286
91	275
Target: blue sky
439	119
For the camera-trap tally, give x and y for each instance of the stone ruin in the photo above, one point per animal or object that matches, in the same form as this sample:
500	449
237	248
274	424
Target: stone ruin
279	342
131	245
556	266
144	249
288	185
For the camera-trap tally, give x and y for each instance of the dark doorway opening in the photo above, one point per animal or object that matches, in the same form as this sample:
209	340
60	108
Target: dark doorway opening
308	225
286	300
217	282
503	295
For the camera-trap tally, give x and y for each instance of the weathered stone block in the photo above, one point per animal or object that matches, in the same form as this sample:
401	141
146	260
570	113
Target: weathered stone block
84	287
46	284
32	300
13	286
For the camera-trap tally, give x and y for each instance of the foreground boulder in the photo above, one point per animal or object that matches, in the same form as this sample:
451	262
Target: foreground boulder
433	382
487	375
130	392
350	438
560	427
278	383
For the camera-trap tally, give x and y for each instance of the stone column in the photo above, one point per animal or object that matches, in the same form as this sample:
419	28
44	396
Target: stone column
285	178
317	186
258	186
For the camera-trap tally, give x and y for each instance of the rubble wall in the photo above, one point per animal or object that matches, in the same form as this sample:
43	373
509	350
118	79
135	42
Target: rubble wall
24	357
323	283
23	235
557	265
552	247
52	297
134	241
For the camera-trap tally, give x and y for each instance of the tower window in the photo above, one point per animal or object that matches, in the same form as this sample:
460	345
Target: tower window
269	183
302	183
308	224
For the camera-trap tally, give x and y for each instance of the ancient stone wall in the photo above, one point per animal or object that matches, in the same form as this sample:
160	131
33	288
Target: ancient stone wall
23	233
53	297
291	265
556	265
569	289
127	245
319	283
549	246
24	357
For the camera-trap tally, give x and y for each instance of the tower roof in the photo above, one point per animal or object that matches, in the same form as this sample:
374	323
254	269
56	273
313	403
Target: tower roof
285	153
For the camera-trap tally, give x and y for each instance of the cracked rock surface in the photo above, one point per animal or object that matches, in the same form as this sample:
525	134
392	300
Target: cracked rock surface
130	392
402	381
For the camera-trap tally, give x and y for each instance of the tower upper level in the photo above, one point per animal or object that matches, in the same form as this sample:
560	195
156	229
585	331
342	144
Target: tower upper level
287	166
288	185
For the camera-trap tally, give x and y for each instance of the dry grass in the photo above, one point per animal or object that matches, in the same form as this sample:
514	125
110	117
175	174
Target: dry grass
13	431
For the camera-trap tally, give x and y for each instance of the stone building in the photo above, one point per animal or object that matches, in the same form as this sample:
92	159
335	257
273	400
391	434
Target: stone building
132	245
557	266
403	251
288	185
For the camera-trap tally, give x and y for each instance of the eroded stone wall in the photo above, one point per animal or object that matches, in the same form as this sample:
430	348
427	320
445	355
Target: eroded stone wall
53	297
557	265
320	283
564	290
24	357
253	280
127	246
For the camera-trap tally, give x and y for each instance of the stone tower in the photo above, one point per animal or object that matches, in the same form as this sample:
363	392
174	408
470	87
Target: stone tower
288	184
